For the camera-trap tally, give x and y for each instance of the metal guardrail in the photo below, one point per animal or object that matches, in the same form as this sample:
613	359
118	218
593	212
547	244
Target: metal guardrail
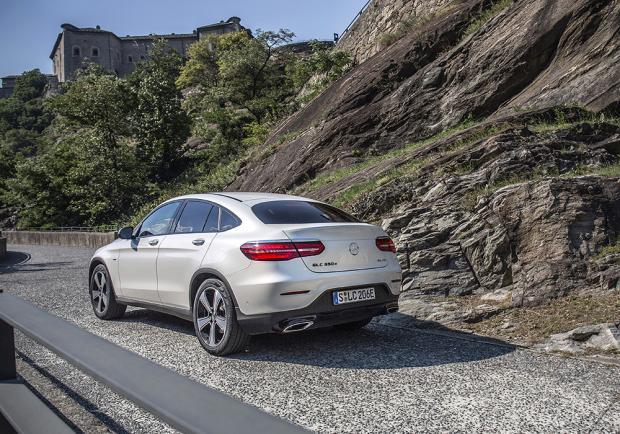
184	404
359	14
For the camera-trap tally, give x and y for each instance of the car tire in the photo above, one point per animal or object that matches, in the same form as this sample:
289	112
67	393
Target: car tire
215	320
102	296
355	325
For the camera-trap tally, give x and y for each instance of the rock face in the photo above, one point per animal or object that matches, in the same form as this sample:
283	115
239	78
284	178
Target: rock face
592	338
533	237
535	53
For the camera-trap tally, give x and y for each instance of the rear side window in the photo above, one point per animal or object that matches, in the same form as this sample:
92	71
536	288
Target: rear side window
280	212
193	218
227	220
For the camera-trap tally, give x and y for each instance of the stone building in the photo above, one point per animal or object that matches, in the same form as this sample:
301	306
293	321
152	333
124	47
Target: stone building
74	46
8	84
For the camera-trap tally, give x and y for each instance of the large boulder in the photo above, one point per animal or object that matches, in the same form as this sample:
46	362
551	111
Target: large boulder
598	338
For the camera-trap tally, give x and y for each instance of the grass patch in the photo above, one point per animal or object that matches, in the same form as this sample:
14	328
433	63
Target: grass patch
471	199
560	121
609	171
612	248
406	26
484	17
533	324
351	194
344	172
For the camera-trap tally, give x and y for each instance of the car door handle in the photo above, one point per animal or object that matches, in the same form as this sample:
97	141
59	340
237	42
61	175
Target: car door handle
198	242
153	242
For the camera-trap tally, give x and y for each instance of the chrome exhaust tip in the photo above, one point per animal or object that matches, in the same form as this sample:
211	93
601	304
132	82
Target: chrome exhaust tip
297	325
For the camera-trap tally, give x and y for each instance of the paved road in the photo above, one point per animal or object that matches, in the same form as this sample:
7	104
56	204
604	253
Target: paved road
381	379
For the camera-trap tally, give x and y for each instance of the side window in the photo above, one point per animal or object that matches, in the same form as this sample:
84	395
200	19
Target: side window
76	51
130	59
94	52
193	217
227	221
159	221
212	224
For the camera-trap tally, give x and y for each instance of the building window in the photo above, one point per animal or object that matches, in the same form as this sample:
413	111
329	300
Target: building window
130	59
94	52
76	51
142	58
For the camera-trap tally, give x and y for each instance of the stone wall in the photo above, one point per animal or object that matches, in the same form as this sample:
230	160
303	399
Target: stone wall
381	17
73	239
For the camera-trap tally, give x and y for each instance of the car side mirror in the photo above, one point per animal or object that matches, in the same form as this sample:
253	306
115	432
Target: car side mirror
126	233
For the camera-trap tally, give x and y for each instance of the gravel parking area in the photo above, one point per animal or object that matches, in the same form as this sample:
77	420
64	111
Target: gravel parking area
380	379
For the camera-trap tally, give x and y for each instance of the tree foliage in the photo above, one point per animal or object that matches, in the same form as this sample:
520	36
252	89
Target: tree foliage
160	125
106	147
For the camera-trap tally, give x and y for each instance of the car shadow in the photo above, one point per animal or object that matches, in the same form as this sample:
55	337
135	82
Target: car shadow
158	319
379	345
19	261
391	342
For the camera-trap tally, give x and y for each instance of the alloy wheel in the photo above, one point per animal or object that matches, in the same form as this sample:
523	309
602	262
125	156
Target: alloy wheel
100	294
211	317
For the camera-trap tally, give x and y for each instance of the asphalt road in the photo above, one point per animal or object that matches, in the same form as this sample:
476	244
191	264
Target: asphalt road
380	379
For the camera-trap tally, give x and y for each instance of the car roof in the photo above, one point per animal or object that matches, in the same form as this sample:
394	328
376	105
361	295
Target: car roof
238	196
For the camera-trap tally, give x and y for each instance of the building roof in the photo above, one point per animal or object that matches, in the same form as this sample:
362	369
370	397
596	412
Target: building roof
72	28
150	37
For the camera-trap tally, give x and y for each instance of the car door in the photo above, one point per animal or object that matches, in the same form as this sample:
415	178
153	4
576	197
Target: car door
138	261
181	252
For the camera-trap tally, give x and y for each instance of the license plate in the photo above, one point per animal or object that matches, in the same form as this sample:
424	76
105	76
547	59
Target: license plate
353	295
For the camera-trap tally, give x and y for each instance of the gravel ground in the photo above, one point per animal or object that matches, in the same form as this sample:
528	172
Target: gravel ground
380	379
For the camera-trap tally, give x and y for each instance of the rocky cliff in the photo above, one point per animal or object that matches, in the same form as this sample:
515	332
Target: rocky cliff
486	141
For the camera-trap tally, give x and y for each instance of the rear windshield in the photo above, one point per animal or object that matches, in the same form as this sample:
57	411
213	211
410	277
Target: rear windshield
280	212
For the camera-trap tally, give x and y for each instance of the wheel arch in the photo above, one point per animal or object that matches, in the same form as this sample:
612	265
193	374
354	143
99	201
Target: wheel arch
200	276
93	264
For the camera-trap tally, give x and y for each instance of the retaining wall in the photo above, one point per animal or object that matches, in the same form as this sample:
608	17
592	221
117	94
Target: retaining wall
72	239
363	39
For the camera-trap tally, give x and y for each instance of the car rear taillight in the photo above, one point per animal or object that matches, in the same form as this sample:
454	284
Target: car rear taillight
385	244
281	250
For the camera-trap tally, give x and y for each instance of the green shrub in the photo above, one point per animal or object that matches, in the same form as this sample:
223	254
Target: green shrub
496	7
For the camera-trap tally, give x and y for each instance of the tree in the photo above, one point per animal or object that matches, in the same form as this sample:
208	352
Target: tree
30	85
160	125
89	174
24	109
311	74
250	74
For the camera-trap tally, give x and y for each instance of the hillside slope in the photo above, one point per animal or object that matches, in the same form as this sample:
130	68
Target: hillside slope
534	54
487	143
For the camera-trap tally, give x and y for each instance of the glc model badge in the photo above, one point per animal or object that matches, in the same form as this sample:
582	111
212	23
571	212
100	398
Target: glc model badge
354	248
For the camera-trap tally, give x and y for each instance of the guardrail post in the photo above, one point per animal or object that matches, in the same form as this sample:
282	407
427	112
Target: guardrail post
7	352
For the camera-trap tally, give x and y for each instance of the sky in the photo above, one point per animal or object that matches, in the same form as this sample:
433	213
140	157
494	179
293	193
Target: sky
28	28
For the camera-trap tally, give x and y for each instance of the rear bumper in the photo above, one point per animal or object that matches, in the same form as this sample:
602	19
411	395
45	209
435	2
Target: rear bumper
322	313
262	287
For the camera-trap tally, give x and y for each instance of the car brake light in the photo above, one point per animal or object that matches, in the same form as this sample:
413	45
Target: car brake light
281	250
385	244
